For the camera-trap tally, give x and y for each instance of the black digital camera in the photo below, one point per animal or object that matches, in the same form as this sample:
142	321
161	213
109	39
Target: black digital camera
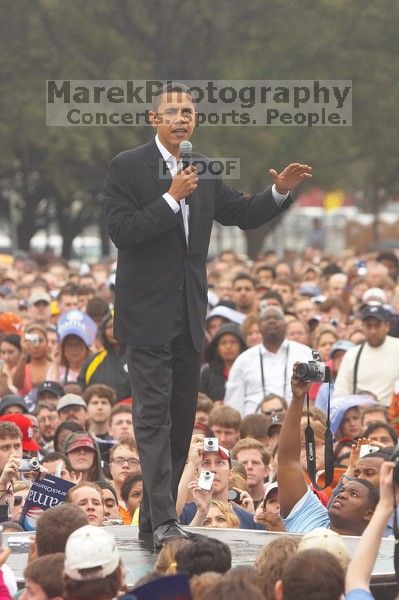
314	370
395	459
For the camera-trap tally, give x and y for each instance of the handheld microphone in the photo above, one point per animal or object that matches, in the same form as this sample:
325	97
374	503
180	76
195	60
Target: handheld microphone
185	155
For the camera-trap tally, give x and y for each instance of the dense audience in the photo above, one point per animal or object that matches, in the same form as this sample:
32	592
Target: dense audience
65	400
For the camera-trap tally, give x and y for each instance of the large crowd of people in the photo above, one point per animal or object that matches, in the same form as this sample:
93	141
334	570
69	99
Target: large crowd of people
65	399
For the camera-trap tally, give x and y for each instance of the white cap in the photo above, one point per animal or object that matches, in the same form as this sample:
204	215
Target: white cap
374	294
227	313
90	547
328	540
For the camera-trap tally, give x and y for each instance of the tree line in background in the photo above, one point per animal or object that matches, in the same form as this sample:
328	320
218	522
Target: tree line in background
57	172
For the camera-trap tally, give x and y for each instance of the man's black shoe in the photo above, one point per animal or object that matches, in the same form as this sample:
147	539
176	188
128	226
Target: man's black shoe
168	531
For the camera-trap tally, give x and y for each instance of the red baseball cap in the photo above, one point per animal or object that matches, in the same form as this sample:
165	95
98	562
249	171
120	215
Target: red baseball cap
25	425
80	439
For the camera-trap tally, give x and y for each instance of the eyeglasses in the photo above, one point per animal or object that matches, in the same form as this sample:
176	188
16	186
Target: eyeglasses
18	500
273	411
132	462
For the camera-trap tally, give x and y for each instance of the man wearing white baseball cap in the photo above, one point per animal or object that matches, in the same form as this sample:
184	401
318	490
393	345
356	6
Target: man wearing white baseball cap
92	568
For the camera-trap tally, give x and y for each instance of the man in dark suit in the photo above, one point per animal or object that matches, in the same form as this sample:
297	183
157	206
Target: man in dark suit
161	287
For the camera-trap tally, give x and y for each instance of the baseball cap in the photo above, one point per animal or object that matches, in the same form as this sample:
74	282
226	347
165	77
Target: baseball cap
224	453
12	400
341	345
269	489
50	387
326	539
90	547
276	423
70	400
25	425
79	439
226	312
376	311
76	322
39	297
309	289
376	294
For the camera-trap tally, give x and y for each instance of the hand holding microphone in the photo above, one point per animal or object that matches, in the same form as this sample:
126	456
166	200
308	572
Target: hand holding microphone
186	180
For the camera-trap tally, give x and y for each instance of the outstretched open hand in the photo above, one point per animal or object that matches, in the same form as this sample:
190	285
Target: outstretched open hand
290	177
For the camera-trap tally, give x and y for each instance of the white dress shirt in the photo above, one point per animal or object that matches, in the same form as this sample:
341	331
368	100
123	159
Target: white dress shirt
244	389
173	166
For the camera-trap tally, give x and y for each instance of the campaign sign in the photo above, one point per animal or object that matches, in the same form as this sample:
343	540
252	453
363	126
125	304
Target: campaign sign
43	494
172	587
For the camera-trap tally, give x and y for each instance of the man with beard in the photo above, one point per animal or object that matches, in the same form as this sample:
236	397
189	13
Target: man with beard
244	293
267	367
372	366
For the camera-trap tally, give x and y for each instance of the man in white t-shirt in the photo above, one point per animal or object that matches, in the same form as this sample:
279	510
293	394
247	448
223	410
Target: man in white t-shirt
373	366
265	368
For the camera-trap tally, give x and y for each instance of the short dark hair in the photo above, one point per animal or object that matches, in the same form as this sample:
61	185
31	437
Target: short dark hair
168	88
47	572
9	430
101	390
128	484
232	588
254	426
372	492
313	575
53	456
273	294
246	276
106	485
381	425
224	416
203	554
55	526
119	409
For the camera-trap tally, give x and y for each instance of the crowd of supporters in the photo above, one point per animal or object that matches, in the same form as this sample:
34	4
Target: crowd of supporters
65	399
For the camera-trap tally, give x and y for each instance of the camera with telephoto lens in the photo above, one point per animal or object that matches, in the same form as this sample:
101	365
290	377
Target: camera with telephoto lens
33	338
211	444
314	370
29	464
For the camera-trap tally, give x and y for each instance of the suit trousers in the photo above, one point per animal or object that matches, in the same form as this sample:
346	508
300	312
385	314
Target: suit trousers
165	382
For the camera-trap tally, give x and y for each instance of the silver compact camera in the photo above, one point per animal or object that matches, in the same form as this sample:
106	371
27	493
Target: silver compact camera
205	480
33	338
211	444
29	464
314	370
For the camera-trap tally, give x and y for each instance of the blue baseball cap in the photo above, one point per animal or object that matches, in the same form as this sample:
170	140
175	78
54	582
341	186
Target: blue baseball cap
341	345
76	322
340	405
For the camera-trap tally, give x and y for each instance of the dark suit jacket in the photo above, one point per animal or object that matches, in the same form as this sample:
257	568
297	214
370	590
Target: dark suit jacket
154	264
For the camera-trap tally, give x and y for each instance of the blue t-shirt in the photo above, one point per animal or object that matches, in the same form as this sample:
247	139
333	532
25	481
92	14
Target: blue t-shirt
359	595
307	514
246	518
